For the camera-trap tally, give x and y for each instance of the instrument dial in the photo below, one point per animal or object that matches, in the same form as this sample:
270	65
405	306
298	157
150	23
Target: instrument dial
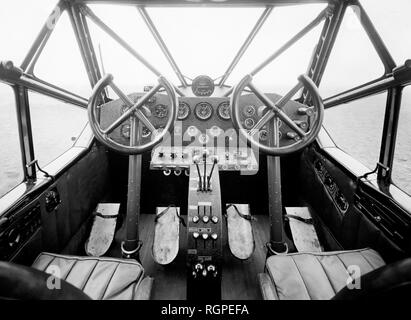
203	138
145	132
249	123
203	86
183	111
249	111
263	135
192	131
160	111
215	131
223	110
203	110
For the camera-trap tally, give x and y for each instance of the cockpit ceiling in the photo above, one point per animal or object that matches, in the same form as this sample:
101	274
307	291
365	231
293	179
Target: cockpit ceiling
197	3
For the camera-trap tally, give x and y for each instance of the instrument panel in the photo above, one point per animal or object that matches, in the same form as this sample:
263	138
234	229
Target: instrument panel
201	119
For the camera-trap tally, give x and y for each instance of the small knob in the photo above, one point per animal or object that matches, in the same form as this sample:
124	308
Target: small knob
214	219
205	236
206	153
196	219
196	235
305	111
206	219
291	135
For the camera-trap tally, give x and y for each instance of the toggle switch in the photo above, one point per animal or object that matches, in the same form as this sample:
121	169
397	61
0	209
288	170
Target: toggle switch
211	268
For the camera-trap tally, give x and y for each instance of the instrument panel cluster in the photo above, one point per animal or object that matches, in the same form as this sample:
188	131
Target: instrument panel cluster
200	118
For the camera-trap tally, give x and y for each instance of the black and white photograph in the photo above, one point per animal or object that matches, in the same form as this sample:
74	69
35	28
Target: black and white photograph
216	157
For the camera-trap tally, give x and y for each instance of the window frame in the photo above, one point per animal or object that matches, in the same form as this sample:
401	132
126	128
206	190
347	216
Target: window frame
393	80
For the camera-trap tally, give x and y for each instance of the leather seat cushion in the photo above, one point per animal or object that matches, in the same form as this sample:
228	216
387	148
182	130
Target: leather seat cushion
100	278
318	276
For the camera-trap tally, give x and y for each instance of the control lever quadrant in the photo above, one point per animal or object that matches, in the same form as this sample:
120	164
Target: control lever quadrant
204	236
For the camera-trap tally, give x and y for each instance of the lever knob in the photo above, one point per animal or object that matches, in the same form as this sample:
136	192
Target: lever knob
214	219
196	219
205	236
196	235
206	219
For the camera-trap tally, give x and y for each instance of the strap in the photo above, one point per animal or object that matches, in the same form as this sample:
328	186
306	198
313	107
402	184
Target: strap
244	216
305	220
108	216
162	213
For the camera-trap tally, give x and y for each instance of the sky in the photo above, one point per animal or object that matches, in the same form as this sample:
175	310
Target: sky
204	41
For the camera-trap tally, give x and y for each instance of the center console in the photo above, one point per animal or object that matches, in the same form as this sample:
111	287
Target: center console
204	230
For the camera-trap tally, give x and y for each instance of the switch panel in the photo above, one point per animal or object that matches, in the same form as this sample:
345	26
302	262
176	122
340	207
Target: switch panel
331	186
204	240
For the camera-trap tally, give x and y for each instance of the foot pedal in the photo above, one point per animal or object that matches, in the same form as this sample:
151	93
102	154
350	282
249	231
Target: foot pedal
303	231
102	231
240	232
166	234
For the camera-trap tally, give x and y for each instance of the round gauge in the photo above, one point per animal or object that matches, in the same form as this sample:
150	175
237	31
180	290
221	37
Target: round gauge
249	123
215	131
203	86
203	110
263	135
203	138
223	110
125	131
249	111
151	101
183	111
145	132
160	111
192	131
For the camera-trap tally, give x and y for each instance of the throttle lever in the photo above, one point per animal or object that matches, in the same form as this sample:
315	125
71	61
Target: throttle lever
215	161
196	160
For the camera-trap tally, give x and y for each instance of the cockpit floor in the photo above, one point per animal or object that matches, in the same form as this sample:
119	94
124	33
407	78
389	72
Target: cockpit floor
239	279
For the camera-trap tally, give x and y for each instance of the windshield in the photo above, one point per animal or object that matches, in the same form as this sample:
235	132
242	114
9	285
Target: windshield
205	41
201	41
